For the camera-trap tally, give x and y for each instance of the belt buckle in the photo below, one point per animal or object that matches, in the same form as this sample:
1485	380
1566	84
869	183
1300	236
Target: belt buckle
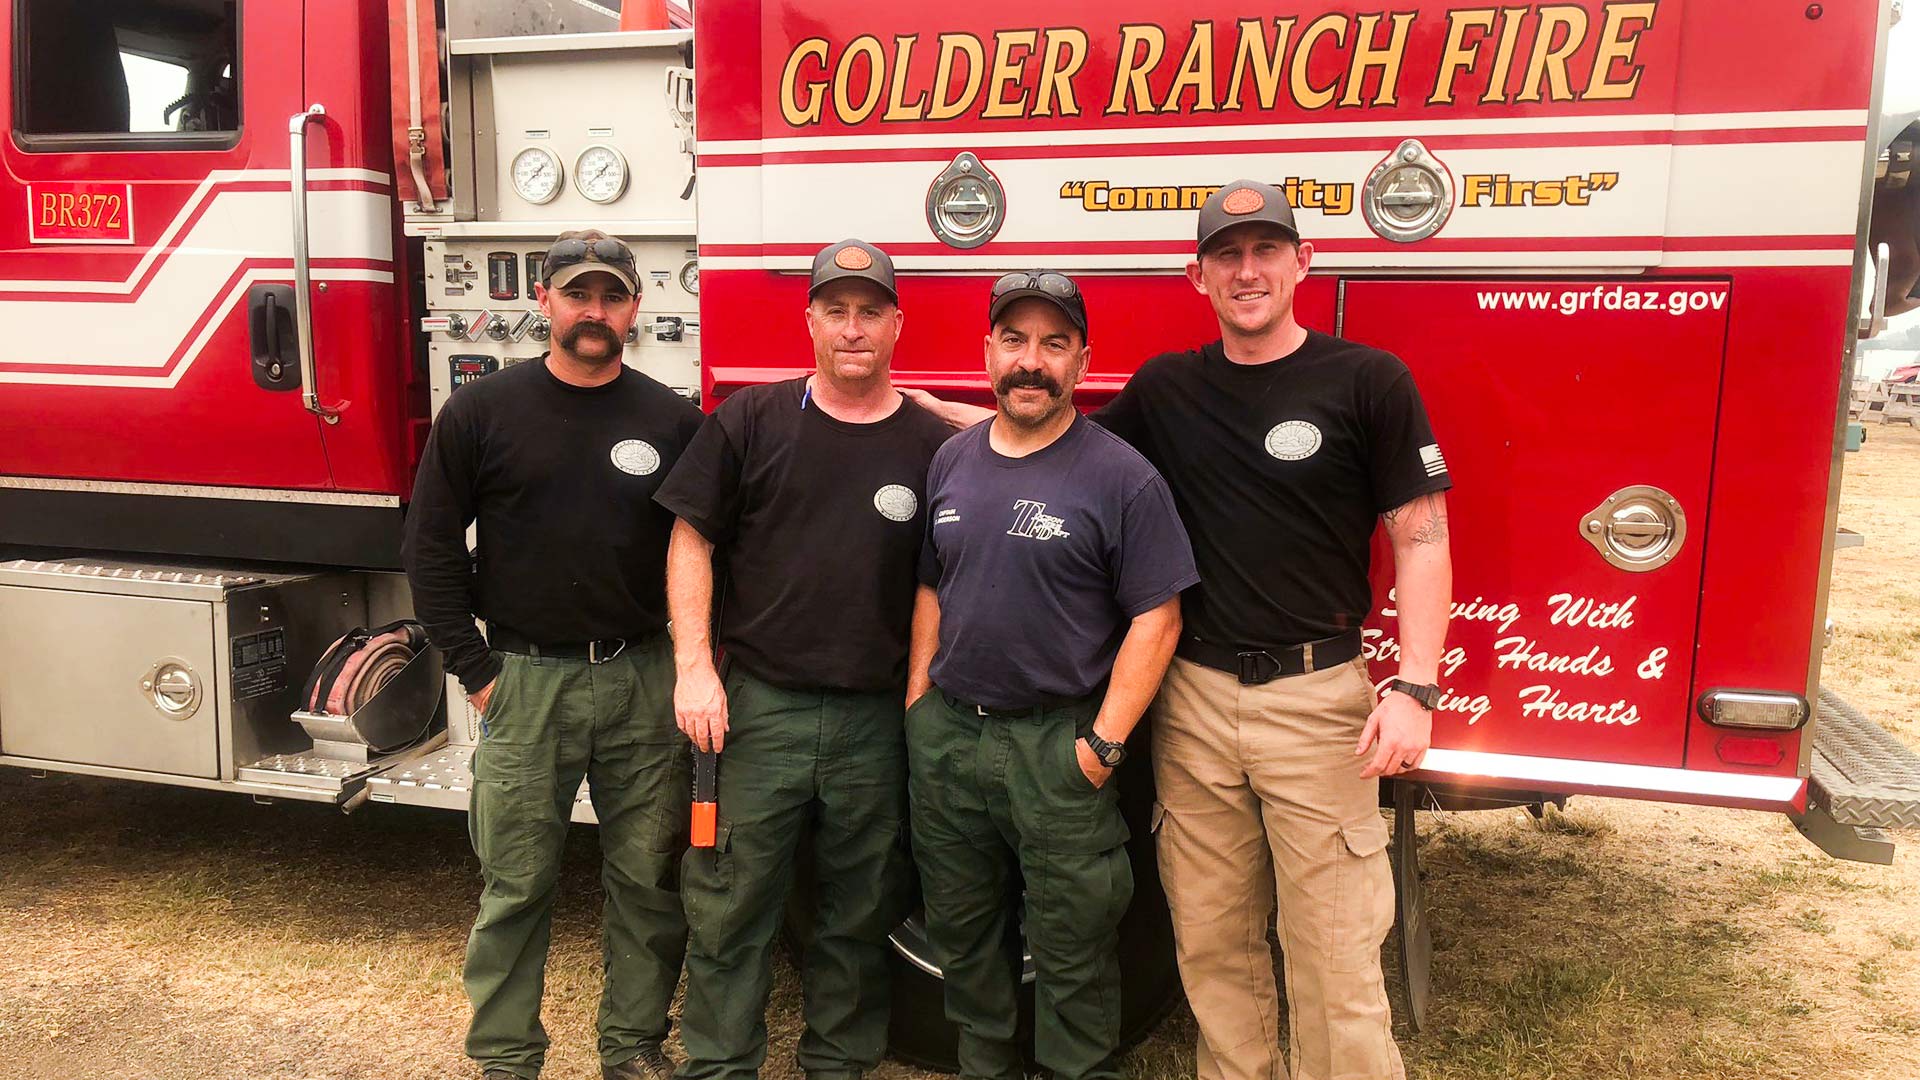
1306	658
595	656
1250	674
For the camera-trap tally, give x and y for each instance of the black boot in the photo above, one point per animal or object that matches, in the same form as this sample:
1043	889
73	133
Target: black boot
649	1064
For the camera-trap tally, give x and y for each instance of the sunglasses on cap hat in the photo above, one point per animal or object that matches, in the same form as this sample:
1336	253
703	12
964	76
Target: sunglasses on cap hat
1050	282
1046	285
576	250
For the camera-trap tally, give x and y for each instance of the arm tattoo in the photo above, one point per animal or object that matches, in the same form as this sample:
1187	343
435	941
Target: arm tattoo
1431	530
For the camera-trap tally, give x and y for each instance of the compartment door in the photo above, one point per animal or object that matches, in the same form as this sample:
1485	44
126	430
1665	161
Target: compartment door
110	715
1569	413
144	209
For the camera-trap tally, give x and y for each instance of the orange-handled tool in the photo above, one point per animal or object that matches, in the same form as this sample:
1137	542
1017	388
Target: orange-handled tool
706	796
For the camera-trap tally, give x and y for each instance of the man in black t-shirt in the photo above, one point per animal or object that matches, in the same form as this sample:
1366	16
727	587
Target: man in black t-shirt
1284	448
1050	585
808	496
556	461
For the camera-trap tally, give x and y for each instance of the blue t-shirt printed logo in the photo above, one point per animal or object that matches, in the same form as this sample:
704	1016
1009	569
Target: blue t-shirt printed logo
1031	520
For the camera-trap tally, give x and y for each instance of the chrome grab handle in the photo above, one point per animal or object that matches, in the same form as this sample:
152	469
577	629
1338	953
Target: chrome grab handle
302	275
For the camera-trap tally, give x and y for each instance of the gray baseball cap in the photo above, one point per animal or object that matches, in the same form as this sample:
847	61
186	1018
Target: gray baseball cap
1240	202
852	259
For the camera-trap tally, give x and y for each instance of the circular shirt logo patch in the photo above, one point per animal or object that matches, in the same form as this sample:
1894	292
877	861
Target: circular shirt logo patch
1293	440
895	503
852	258
635	457
1243	201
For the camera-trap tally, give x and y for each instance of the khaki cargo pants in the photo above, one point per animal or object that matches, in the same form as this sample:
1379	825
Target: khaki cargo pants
1263	800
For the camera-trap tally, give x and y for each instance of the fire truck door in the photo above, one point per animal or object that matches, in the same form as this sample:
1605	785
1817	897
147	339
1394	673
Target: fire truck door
1576	419
146	243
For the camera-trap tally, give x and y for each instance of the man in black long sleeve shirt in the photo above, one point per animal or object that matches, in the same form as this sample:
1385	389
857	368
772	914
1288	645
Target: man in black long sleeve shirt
557	462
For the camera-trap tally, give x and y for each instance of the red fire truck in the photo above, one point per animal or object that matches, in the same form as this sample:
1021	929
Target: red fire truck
248	247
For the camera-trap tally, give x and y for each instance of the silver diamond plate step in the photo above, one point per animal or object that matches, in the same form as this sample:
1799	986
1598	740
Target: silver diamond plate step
1861	773
445	779
306	770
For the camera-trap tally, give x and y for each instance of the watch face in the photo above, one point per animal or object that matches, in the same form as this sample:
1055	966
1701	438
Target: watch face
1109	753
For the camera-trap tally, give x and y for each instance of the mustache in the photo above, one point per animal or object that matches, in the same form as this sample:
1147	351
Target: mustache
581	331
1021	380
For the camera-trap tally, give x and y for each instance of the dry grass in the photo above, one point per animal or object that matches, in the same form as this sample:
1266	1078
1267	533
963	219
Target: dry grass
1875	602
150	933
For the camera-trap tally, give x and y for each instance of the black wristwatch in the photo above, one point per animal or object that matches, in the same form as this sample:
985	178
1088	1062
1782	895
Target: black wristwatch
1427	695
1111	754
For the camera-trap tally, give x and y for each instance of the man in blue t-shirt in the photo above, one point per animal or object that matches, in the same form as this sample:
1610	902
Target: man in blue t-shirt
1048	609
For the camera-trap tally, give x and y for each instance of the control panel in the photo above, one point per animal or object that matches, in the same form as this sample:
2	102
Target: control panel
485	314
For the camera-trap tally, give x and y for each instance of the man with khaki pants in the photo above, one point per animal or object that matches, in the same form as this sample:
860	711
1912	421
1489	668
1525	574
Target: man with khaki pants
1284	448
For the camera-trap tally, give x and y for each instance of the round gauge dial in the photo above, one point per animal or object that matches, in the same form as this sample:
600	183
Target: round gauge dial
690	278
536	174
600	173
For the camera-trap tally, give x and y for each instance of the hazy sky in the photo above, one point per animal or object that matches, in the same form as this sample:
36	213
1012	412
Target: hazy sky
151	87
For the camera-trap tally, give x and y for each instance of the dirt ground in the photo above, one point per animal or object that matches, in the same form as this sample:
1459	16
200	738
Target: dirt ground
147	932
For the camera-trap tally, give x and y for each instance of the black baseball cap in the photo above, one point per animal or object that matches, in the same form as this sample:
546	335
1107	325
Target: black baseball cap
1240	202
1050	285
852	259
588	251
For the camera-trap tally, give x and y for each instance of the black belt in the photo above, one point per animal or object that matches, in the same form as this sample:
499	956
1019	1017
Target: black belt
593	652
1255	666
1044	705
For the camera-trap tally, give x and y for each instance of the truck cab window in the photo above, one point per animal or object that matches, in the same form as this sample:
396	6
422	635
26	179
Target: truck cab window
132	74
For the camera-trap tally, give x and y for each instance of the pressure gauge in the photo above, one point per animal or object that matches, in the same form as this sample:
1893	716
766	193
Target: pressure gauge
536	174
690	278
600	173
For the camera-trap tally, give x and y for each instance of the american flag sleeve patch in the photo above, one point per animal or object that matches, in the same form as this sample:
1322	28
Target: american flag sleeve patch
1431	458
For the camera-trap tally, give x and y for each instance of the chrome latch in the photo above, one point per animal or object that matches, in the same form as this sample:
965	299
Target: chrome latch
1409	195
966	204
1638	528
172	688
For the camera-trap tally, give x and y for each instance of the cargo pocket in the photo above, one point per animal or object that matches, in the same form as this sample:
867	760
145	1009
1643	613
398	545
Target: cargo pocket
1363	896
1165	835
1084	895
706	891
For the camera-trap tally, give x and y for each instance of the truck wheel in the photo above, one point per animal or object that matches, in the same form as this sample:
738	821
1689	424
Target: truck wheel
1150	981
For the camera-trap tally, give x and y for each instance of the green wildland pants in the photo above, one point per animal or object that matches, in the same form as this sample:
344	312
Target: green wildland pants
828	766
549	723
999	794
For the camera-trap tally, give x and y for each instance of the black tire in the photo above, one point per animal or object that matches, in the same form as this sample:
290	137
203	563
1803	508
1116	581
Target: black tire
1150	981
